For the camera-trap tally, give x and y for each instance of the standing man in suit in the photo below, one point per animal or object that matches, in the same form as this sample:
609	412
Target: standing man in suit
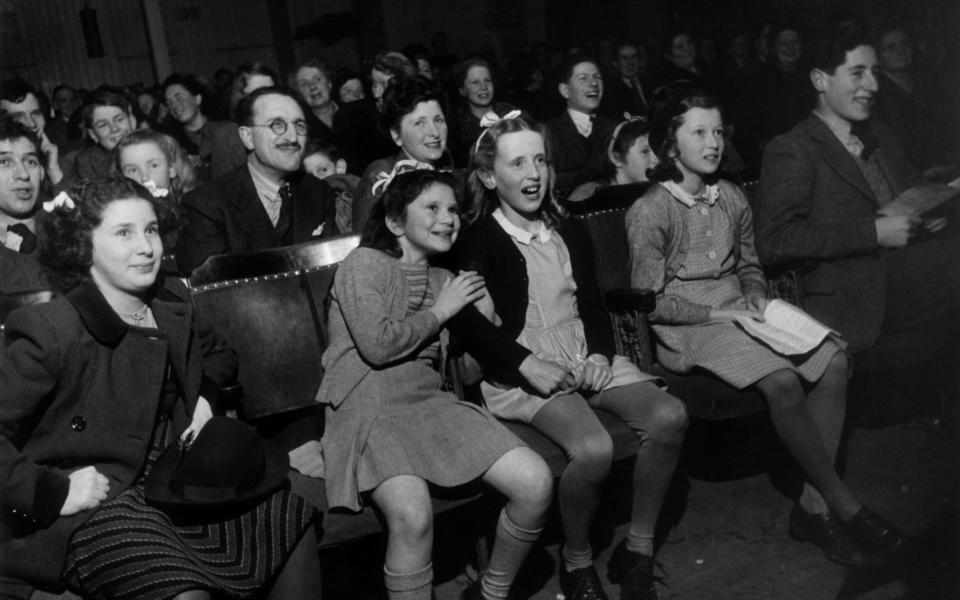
882	281
265	203
578	136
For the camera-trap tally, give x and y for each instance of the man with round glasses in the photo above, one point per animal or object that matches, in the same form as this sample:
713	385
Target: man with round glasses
267	202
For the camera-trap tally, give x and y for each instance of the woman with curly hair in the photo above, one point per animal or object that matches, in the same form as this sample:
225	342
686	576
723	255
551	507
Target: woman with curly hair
414	112
96	384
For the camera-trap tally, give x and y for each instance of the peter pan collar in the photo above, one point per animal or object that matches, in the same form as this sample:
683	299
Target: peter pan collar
709	195
521	235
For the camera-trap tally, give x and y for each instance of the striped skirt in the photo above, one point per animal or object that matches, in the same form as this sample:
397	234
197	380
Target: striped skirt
130	549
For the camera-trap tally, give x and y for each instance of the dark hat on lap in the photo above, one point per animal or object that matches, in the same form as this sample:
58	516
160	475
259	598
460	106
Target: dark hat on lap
227	464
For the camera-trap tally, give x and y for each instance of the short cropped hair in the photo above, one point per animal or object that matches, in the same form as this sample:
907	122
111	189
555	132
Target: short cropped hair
105	96
16	90
831	51
11	130
571	62
244	110
189	82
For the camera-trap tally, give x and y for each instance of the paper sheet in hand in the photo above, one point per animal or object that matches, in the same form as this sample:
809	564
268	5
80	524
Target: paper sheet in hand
787	329
918	199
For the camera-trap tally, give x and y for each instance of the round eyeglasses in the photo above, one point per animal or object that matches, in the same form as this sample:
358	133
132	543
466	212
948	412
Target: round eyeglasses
279	126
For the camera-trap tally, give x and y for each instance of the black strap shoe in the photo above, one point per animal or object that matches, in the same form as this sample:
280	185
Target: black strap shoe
581	584
634	572
830	536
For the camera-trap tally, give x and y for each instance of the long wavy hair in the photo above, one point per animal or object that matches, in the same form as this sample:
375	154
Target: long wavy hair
66	243
482	157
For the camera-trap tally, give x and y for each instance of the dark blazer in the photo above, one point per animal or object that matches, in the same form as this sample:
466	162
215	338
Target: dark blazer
20	273
576	159
619	98
486	248
816	211
80	389
226	216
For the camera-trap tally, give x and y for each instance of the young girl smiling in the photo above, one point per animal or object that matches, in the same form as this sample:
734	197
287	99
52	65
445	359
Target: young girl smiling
539	271
390	430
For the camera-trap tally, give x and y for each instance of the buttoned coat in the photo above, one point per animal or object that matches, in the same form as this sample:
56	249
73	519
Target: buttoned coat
79	389
815	212
226	216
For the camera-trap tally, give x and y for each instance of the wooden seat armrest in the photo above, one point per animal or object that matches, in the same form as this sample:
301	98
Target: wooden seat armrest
631	299
628	313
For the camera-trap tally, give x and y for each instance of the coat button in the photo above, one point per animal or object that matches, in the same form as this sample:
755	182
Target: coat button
78	424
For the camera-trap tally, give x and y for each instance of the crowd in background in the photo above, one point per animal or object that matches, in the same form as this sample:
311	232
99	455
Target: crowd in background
419	144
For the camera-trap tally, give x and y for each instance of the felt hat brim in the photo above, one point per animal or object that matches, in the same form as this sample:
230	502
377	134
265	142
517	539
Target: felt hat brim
159	491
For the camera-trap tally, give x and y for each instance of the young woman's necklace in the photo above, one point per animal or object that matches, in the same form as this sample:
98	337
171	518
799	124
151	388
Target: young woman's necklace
140	315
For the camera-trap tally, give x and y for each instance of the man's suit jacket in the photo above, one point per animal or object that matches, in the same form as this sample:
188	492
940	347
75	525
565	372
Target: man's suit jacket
619	98
226	216
20	273
815	211
575	158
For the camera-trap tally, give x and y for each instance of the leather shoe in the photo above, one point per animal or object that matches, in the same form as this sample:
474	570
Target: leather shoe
634	572
878	538
829	535
581	584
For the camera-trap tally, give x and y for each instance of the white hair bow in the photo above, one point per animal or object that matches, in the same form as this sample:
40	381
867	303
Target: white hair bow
61	200
401	166
156	192
489	120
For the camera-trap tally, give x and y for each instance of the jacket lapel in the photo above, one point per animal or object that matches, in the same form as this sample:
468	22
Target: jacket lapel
173	318
837	157
254	222
306	210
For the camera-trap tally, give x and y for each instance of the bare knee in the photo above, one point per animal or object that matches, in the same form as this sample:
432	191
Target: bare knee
536	484
411	522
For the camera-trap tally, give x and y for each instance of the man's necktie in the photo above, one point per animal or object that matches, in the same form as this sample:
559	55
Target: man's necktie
28	241
283	221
